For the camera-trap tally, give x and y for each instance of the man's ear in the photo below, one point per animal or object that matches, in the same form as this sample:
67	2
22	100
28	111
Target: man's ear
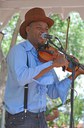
27	29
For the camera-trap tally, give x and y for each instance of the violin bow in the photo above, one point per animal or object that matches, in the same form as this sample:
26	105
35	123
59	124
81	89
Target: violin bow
68	19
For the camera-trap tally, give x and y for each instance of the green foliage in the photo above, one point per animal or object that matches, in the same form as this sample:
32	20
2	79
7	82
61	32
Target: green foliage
65	112
78	108
75	34
8	31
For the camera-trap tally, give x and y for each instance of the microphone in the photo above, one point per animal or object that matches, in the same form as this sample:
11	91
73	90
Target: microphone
46	36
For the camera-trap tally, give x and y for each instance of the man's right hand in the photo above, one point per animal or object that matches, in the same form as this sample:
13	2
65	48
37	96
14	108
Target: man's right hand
60	61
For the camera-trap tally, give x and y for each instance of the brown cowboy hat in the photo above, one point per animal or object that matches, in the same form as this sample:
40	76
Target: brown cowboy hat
33	15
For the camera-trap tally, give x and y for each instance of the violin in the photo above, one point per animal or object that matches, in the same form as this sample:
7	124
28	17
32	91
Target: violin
45	54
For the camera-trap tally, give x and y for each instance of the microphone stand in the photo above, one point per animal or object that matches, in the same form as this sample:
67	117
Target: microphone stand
72	98
73	65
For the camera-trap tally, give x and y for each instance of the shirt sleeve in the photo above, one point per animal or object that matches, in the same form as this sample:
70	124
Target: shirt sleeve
17	64
59	89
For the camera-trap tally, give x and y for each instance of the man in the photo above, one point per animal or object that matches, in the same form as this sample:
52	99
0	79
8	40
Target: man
24	67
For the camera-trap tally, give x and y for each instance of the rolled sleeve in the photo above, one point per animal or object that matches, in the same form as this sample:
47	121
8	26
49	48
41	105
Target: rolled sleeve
59	89
63	89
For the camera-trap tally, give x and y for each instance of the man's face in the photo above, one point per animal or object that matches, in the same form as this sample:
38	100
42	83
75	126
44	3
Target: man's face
34	32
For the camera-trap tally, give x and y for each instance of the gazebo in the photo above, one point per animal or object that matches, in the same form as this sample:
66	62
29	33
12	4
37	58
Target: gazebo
62	7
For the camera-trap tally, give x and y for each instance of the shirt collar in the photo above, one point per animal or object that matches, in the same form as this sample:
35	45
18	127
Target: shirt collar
28	46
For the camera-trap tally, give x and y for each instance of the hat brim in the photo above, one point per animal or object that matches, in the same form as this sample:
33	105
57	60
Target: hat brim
23	26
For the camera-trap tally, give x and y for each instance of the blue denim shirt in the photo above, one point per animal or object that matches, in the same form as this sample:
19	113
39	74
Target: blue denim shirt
20	74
